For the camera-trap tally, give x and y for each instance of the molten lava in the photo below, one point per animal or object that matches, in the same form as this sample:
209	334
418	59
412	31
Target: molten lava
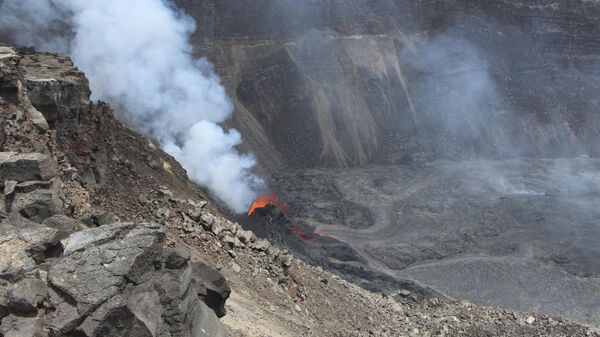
267	200
302	231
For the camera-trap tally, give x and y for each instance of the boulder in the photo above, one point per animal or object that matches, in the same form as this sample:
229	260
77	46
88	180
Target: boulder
245	236
165	192
9	74
17	220
138	314
99	270
285	258
229	226
229	240
194	209
64	317
22	167
204	322
176	258
14	326
113	318
37	118
145	305
27	295
62	97
178	300
212	287
207	219
37	205
81	240
216	228
260	245
95	236
99	218
20	248
64	225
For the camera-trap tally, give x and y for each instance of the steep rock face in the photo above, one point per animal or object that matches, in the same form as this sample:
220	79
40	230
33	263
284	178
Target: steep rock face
352	82
94	275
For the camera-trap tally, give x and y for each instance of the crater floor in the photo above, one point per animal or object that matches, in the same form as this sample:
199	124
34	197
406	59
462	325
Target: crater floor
517	233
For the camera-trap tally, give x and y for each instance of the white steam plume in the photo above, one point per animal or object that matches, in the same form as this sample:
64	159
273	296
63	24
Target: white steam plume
136	54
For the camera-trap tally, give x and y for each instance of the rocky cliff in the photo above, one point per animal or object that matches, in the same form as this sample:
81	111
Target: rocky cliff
336	83
67	269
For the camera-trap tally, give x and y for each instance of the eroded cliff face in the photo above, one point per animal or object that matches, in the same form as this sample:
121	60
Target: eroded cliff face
336	83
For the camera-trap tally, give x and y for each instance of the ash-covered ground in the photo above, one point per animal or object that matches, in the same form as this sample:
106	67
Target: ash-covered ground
519	233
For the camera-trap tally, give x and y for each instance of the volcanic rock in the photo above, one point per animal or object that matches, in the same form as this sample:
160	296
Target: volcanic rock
64	224
173	287
26	167
112	318
99	218
107	267
245	236
9	74
212	287
14	326
20	248
27	295
205	323
260	245
176	258
64	317
39	204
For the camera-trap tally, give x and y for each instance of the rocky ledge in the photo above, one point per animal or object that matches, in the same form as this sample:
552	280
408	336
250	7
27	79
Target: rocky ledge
69	270
60	276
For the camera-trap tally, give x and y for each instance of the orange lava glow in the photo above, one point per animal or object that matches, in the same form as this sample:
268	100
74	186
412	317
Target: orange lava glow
266	200
299	232
303	232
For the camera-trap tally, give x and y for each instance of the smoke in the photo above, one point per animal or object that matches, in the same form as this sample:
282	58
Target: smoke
457	97
35	22
137	56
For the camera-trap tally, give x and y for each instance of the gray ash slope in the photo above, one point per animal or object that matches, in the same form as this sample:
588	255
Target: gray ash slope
456	95
518	233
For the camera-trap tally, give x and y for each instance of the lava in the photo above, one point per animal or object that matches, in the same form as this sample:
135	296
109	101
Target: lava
271	199
266	200
299	232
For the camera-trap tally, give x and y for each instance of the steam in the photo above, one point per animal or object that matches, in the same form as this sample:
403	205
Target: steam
34	22
458	98
136	54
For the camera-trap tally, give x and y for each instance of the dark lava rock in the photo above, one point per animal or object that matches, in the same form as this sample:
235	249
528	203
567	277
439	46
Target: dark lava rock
64	224
27	295
176	258
14	326
26	166
38	204
212	286
20	248
100	271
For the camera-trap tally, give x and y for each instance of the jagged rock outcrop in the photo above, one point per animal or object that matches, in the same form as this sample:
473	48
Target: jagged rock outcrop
111	280
95	275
